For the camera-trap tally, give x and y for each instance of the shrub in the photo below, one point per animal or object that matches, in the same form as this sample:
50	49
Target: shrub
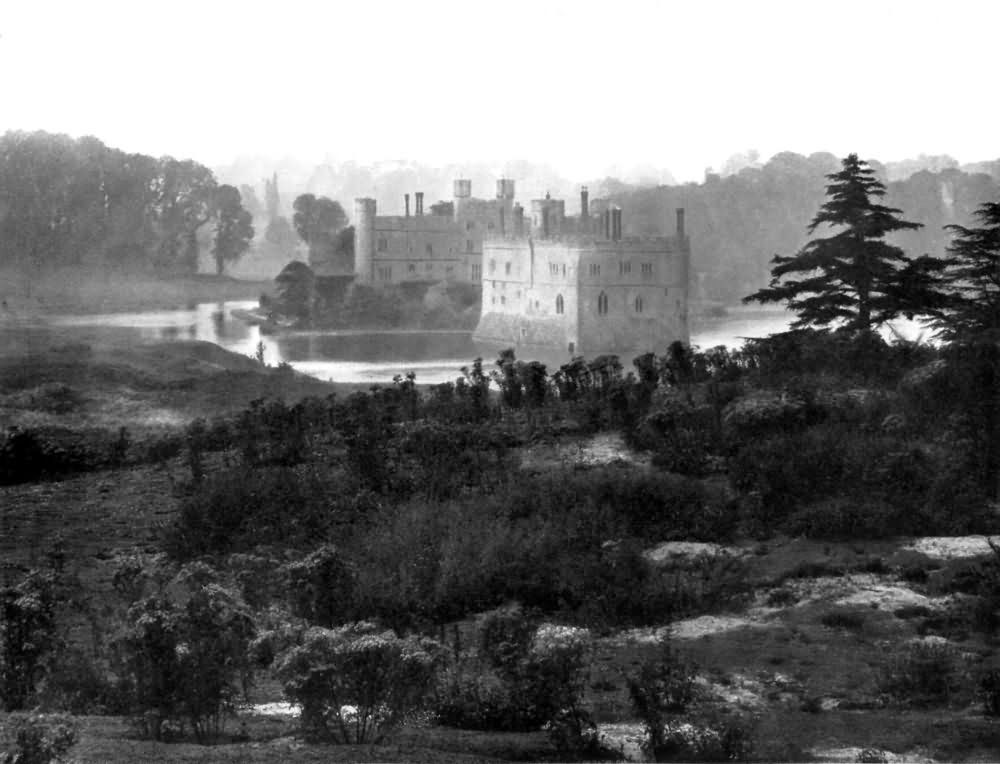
663	687
851	620
989	692
28	636
355	683
187	660
522	679
40	738
321	587
714	738
923	674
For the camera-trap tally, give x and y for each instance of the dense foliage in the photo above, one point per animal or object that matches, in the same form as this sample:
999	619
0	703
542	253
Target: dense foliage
78	203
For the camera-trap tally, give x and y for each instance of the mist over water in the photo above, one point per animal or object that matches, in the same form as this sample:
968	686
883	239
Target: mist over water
376	357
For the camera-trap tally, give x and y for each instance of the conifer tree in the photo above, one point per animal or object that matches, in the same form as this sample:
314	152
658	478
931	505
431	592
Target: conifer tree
853	276
972	280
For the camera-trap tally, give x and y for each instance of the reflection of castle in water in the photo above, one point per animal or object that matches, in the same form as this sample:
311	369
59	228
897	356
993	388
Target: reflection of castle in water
565	285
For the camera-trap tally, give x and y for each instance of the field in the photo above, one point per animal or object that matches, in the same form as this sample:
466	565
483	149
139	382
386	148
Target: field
805	649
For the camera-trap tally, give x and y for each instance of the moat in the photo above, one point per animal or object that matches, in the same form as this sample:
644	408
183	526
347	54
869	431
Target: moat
376	357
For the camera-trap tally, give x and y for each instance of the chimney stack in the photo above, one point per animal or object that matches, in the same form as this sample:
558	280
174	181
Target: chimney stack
607	223
680	223
584	203
406	199
420	202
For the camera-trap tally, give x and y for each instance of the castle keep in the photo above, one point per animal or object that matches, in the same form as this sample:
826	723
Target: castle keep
572	285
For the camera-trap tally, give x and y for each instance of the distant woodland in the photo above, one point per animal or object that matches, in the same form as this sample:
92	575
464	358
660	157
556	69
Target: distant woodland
77	203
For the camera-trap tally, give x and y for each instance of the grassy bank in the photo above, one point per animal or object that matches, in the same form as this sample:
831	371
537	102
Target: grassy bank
82	291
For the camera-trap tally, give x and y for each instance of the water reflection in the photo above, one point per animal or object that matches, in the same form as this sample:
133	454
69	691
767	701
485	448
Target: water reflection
378	357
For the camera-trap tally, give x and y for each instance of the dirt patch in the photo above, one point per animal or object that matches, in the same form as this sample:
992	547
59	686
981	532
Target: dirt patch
675	549
952	547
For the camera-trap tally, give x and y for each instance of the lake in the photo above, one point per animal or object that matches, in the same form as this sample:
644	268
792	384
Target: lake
376	357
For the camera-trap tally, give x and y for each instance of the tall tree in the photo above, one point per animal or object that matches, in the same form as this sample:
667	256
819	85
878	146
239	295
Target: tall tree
272	199
853	276
318	221
971	322
233	227
972	279
280	238
184	205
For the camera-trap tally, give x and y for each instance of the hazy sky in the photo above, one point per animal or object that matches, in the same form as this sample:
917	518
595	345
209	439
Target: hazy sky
680	85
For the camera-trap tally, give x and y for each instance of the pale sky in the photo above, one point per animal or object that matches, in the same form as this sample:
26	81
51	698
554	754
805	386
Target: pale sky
581	85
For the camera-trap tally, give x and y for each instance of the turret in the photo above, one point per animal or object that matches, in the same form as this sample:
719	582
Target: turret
364	240
584	226
505	188
419	195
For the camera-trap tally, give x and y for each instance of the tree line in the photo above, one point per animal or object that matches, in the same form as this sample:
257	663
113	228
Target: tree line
738	222
68	202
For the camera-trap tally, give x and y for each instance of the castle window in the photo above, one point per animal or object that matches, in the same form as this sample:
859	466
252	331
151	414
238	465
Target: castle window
383	244
553	269
506	269
469	226
503	300
559	303
638	304
411	268
602	304
469	246
477	272
647	270
595	269
624	267
493	266
385	273
430	248
564	269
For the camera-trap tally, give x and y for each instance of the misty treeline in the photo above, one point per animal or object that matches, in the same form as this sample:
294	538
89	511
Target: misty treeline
68	202
739	222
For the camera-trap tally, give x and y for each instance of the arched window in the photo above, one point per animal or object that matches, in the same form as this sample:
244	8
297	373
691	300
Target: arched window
638	303
507	269
602	303
493	266
559	303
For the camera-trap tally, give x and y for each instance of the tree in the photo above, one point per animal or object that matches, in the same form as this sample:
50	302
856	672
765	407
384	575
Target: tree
318	221
971	322
186	191
295	285
972	279
250	201
853	276
233	227
272	198
280	238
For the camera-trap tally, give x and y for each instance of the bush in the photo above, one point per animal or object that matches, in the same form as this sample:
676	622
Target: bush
522	679
355	683
712	739
662	688
187	660
40	738
321	587
923	674
28	636
851	620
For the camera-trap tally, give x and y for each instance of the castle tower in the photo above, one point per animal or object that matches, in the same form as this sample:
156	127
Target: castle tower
462	193
505	188
364	240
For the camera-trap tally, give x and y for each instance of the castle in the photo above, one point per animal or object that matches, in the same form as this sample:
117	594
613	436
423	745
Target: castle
575	286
